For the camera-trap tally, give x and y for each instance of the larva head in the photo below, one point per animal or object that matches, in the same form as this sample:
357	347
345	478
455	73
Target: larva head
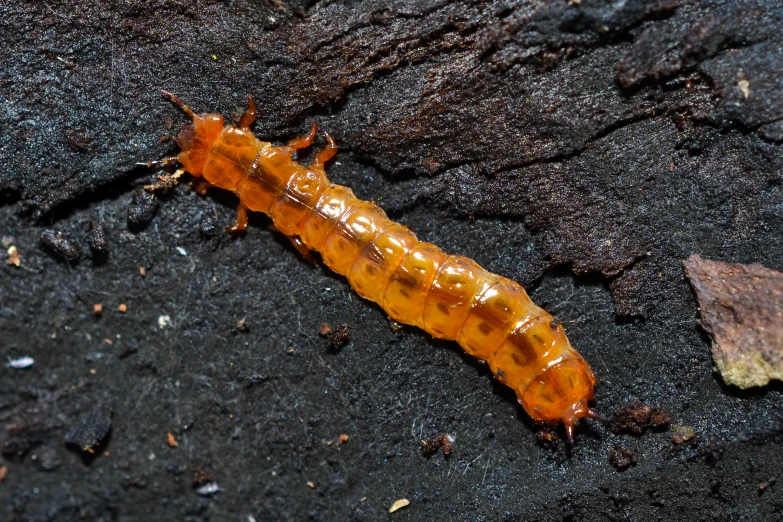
196	140
561	394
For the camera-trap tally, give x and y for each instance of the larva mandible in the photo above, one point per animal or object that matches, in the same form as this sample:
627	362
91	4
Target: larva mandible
449	296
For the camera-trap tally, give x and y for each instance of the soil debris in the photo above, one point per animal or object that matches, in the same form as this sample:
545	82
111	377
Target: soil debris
622	458
98	239
92	430
142	208
637	418
682	434
444	441
338	336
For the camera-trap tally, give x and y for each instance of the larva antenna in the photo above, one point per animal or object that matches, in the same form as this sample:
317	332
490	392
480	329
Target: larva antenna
158	163
182	105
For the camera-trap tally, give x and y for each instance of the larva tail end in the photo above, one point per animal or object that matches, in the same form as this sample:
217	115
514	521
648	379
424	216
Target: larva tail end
591	413
187	110
572	416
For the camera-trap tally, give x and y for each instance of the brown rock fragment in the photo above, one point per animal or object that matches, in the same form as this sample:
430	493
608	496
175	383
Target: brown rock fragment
741	307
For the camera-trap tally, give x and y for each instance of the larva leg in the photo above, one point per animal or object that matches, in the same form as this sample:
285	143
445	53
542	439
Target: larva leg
325	154
241	222
249	116
302	141
200	185
300	247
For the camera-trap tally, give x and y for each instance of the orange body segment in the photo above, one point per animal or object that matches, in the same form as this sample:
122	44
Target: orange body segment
451	297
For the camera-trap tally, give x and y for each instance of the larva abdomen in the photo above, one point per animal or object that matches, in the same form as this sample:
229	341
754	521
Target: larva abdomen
449	296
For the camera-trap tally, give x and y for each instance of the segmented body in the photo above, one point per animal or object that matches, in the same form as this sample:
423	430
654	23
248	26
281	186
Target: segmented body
415	282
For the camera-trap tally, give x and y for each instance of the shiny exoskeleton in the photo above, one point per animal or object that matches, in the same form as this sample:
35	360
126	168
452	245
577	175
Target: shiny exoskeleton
448	296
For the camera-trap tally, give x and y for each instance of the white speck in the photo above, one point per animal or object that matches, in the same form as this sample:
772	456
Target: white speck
210	488
182	251
251	518
152	456
21	363
744	86
272	19
164	321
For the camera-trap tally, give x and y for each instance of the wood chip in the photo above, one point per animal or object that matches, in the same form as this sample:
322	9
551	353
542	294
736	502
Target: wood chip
3	473
123	308
172	441
399	504
343	439
97	308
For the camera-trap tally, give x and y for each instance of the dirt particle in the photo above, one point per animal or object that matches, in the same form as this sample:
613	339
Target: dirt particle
171	440
622	458
682	434
343	439
3	473
637	418
324	330
56	243
97	309
98	239
200	477
93	429
445	441
123	308
242	326
142	207
142	271
311	484
547	436
340	336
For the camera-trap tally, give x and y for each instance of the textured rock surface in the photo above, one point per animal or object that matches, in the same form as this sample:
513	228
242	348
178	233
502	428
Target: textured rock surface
741	306
583	150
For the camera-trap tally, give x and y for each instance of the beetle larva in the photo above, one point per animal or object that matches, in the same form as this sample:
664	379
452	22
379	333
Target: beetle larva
449	296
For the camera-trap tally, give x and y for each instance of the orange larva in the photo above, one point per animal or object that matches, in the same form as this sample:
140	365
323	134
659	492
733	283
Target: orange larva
449	296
